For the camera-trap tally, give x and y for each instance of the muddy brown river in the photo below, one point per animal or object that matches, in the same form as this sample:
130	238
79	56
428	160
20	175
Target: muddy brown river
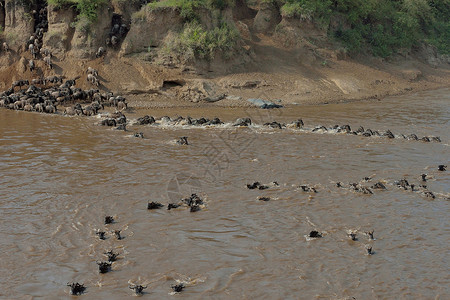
60	177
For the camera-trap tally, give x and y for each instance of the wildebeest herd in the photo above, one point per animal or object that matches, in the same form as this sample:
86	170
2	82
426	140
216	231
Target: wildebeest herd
194	202
49	93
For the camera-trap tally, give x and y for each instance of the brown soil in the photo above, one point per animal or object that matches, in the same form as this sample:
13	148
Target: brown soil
301	75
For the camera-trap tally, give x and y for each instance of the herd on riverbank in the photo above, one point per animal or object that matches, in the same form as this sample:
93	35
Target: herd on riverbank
47	95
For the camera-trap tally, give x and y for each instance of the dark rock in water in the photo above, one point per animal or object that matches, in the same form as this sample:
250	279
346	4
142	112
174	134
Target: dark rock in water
76	288
264	199
243	122
104	266
339	184
109	219
145	120
172	205
379	185
263	187
442	168
111	255
154	205
183	141
265	104
178	288
138	289
315	234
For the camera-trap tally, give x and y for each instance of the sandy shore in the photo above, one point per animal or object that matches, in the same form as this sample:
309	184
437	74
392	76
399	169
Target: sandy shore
276	76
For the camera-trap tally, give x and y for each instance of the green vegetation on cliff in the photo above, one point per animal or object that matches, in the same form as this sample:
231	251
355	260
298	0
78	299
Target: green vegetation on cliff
196	42
87	9
188	8
383	26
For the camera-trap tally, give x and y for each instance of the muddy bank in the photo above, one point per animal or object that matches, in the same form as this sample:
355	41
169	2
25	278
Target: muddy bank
283	66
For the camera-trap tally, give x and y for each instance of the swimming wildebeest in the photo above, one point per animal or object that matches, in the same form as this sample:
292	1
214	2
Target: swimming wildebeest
111	255
172	205
315	234
138	289
183	141
264	199
104	266
370	234
117	234
76	288
178	288
154	205
109	219
101	234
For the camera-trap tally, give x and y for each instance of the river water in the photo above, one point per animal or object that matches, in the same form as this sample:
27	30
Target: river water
60	177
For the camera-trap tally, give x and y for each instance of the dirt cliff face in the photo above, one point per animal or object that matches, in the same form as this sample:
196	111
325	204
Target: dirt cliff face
19	22
60	32
149	28
86	40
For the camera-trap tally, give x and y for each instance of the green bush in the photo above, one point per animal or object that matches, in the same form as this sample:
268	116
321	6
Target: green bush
196	42
61	3
88	8
188	8
308	9
381	26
